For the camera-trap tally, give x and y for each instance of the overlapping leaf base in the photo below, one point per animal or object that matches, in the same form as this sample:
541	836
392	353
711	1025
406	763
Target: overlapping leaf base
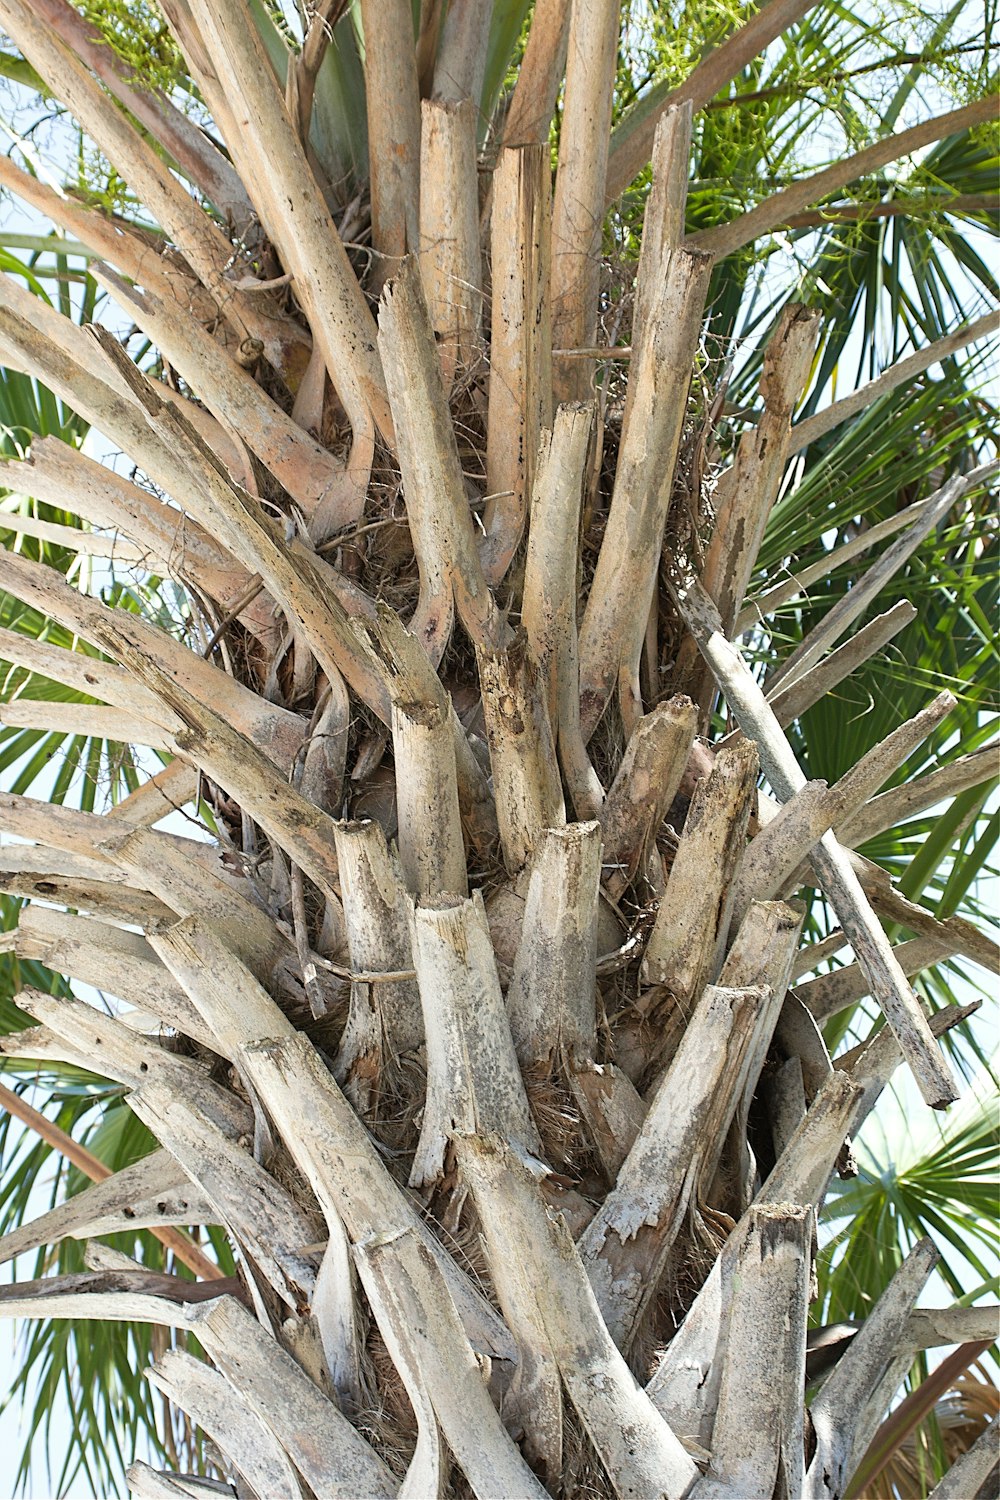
477	1027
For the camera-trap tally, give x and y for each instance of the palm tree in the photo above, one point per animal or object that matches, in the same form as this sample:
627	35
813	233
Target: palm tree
486	587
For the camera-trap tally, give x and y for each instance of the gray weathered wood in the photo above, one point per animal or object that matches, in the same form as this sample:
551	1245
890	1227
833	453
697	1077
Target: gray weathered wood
833	867
973	1475
473	1079
546	1296
626	1244
841	1423
685	1383
217	1408
551	999
692	924
645	785
327	1450
758	1429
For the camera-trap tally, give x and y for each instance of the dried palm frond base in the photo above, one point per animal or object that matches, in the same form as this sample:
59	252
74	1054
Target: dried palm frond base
476	1028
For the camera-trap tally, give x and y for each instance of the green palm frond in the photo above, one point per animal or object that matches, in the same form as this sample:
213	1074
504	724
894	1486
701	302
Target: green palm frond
946	1190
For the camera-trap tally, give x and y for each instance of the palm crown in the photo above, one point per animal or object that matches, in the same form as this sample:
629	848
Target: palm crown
528	617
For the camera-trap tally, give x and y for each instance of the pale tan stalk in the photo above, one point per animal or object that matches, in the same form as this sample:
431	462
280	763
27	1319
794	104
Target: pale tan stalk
112	724
74	539
762	954
200	241
626	1244
260	1214
112	241
450	259
685	1384
612	1110
526	785
83	833
773	859
130	1058
196	156
117	1298
326	1449
154	1191
634	138
545	1296
688	937
325	493
850	794
444	538
782	1097
548	608
319	1127
27	1238
798	1036
161	867
792	700
235	763
758	1432
663	221
115	397
779	847
412	678
752	225
166	792
277	731
461	60
473	1079
614	624
273	1229
272	163
385	1018
205	74
551	996
841	1417
875	1060
916	796
533	102
317	598
28	860
833	867
759	466
433	487
800	581
105	900
443	1380
393	96
654	762
84	673
520	400
114	961
579	195
211	1403
893	906
170	542
822	422
431	845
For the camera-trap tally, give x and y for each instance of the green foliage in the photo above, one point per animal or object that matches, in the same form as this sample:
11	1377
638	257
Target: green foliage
138	34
